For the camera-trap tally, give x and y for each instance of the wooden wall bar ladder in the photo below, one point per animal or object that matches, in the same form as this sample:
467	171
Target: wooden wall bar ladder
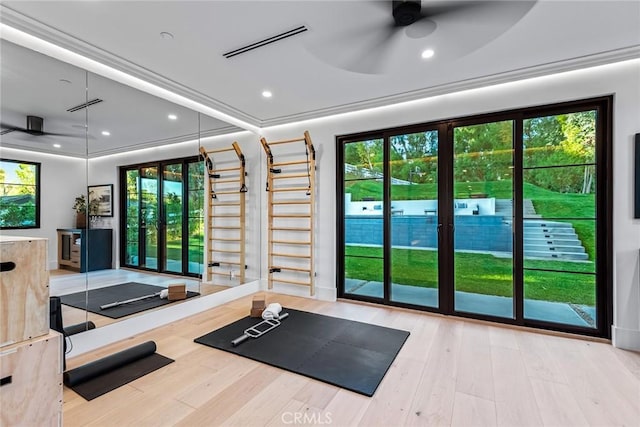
291	207
226	213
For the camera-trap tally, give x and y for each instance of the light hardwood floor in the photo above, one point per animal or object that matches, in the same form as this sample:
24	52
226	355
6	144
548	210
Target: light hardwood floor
449	372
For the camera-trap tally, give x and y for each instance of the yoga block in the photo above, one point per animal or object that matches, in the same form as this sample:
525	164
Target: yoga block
177	292
31	391
258	302
256	312
24	286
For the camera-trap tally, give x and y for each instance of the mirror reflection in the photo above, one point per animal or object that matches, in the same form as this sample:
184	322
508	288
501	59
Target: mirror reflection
123	196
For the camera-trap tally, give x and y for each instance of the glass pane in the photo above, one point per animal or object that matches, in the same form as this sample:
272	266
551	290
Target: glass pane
196	192
566	298
132	220
564	139
363	221
483	217
560	245
172	204
18	194
149	216
414	218
560	192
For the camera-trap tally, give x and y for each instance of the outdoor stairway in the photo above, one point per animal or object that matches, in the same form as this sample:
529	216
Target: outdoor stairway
554	240
504	208
544	239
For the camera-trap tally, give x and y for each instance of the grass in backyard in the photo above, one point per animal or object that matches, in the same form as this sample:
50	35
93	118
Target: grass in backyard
475	273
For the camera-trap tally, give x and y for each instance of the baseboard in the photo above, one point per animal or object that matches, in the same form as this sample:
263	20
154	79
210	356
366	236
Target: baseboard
118	331
626	339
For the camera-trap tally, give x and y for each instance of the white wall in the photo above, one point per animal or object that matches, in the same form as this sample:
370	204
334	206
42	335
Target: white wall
62	179
621	79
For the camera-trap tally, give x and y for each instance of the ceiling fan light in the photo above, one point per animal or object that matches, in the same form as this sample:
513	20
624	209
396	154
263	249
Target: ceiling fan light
427	53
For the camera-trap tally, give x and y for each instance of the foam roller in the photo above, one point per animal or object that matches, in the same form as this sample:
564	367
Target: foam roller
80	327
108	363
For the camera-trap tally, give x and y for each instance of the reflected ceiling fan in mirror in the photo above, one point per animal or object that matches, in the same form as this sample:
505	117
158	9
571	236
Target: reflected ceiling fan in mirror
35	127
379	39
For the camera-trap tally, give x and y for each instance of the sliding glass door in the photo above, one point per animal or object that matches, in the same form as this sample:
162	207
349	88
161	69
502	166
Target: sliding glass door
162	205
482	201
503	217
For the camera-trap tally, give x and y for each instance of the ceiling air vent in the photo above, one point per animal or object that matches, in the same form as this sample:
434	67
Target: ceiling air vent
85	105
265	42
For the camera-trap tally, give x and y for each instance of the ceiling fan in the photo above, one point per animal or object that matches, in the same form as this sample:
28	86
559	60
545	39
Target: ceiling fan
457	27
35	127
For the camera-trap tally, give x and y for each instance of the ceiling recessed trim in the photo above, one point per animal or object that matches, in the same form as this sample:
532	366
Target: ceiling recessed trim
584	62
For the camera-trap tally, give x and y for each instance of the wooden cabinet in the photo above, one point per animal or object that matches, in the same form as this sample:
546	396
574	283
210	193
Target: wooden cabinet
85	250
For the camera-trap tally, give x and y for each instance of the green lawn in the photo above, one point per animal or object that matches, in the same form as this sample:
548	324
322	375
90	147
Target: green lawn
476	273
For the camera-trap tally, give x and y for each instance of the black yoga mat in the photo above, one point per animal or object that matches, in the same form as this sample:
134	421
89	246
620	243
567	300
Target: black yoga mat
348	354
122	292
104	375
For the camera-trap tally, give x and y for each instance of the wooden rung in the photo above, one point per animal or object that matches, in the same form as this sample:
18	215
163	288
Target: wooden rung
225	216
219	273
220	150
289	175
290	228
278	190
226	251
225	204
224	170
286	141
291	242
223	239
293	162
292	215
293	282
291	202
228	192
306	270
223	227
223	180
291	255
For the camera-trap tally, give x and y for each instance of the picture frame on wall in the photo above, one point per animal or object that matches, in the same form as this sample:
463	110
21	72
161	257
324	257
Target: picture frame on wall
101	200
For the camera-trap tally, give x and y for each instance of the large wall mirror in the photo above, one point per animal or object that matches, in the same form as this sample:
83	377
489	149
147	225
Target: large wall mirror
135	160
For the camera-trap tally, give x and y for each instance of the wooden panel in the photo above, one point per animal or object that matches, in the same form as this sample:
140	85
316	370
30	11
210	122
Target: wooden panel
24	290
31	373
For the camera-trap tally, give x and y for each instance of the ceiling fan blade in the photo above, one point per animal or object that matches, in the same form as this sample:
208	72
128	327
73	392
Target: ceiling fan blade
372	59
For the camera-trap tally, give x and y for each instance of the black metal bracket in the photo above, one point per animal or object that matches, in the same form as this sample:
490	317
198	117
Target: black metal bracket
275	270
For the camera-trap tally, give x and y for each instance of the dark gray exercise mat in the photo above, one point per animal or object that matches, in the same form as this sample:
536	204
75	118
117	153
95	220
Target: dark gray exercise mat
102	384
348	354
122	292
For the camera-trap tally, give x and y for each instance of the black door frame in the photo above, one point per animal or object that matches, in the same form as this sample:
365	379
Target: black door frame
604	202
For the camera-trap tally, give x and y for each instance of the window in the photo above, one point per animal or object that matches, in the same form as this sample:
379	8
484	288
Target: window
503	216
19	194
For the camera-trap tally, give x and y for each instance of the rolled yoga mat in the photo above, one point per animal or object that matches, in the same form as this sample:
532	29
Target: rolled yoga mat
104	375
79	327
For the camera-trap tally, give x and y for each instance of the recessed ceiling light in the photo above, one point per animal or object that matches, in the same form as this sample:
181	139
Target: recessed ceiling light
267	93
172	117
166	35
65	81
427	53
57	145
106	133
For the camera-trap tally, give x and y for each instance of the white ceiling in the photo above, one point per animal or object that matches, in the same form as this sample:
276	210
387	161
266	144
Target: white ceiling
332	67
